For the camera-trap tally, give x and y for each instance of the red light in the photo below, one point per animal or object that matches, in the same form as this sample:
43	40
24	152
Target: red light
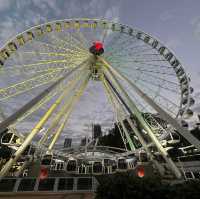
98	45
97	48
140	172
43	173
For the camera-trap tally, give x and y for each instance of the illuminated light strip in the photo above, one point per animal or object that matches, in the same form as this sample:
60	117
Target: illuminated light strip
148	71
50	45
22	87
29	67
67	40
42	102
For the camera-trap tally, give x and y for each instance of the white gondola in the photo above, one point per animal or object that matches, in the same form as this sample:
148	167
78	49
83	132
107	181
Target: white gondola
114	166
191	90
161	50
191	102
184	100
10	139
71	166
89	168
188	113
110	166
97	168
181	112
122	164
184	124
107	166
175	63
58	165
173	138
169	56
82	169
179	71
184	90
184	80
131	163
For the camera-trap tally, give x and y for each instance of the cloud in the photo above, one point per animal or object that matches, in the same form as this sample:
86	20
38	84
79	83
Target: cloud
50	6
166	15
5	4
113	13
173	43
195	22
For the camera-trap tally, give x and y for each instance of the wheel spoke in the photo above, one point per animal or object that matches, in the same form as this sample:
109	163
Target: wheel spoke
28	85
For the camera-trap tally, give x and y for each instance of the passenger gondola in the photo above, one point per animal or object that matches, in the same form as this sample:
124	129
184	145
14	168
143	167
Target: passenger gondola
107	166
97	168
89	168
57	165
131	163
71	165
82	169
10	139
122	164
114	166
188	114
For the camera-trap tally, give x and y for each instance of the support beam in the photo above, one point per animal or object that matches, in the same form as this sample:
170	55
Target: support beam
134	129
115	103
130	142
32	134
70	107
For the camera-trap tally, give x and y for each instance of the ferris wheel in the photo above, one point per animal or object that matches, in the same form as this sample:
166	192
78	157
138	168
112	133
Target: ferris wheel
45	70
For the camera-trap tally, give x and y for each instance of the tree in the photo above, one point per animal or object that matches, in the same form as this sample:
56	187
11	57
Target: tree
127	186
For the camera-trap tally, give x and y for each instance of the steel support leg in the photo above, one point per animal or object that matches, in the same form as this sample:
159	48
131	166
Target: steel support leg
164	115
137	113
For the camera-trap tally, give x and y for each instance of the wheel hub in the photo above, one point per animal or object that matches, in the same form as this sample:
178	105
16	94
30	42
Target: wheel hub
97	48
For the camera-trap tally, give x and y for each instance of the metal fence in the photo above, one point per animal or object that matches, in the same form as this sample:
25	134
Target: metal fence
57	184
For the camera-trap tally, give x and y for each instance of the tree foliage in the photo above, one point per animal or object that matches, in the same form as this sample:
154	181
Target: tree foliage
126	186
113	138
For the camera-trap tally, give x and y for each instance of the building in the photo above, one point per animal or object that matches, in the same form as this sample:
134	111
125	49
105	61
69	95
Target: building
67	143
96	131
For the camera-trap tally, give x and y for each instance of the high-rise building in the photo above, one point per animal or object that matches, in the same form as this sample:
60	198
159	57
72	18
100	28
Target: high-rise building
96	131
68	143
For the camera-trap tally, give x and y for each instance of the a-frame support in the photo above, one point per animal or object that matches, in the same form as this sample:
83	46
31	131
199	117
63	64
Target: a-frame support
108	73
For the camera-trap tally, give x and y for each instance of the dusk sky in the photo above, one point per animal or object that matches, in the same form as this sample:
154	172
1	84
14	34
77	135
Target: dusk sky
174	22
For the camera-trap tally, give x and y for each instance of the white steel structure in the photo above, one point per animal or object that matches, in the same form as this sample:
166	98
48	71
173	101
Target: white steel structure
45	69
